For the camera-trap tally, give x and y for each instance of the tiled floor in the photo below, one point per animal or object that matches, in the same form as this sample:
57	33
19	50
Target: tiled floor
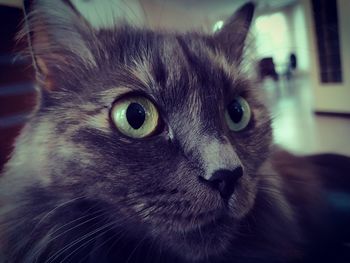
296	127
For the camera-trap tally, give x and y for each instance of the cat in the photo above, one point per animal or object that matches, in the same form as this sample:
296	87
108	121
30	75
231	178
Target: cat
151	146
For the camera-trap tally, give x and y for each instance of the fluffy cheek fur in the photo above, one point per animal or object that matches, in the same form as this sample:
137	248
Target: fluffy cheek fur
162	194
158	187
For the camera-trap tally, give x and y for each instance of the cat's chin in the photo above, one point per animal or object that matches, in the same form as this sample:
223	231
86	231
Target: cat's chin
203	242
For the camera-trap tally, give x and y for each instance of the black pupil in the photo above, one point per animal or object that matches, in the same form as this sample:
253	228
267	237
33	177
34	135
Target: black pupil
236	111
136	115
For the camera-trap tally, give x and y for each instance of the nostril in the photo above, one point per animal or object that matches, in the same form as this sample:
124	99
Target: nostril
225	180
218	184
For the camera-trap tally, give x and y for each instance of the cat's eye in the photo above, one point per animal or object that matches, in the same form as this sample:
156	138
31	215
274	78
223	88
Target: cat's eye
135	116
238	114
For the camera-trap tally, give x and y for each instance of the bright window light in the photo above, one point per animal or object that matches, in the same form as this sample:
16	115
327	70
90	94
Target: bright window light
218	25
273	37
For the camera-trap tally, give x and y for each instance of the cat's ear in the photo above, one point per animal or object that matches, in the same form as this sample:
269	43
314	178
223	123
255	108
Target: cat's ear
231	37
60	39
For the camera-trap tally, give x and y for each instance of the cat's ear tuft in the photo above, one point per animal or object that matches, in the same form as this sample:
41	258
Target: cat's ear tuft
231	37
60	39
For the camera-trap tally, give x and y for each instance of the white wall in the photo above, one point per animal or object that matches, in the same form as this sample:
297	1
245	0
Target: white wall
331	97
273	37
182	17
102	13
291	38
105	13
300	46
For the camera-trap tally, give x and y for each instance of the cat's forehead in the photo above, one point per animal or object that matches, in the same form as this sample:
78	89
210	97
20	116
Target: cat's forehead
169	64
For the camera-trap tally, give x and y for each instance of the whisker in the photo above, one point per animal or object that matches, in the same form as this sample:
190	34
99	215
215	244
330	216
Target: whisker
114	236
53	210
136	247
86	243
37	251
80	218
117	240
76	241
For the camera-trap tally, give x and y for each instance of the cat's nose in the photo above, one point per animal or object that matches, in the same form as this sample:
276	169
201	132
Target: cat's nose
225	180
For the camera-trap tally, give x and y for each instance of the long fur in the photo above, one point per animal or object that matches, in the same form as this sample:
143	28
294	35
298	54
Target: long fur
78	190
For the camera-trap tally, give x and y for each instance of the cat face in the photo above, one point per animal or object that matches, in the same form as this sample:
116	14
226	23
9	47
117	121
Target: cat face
160	180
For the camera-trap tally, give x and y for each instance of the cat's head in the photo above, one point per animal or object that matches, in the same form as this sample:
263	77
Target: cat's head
163	128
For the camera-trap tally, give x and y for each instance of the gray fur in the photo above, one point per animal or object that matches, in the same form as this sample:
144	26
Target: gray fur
76	189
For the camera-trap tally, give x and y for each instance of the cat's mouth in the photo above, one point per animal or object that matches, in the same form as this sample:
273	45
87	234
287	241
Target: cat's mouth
207	234
202	221
188	223
213	227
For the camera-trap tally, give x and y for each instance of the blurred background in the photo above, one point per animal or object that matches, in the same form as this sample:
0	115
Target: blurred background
299	49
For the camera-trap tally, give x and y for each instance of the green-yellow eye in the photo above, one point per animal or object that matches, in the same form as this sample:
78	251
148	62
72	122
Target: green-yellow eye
136	117
238	114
